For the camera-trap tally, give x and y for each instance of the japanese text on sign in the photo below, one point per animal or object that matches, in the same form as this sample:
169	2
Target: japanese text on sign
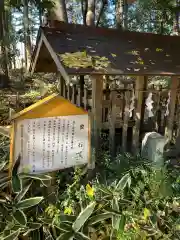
48	144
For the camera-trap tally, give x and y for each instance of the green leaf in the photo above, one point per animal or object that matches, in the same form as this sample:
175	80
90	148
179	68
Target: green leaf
30	202
4	181
122	223
34	226
16	182
115	218
99	218
23	192
13	236
126	179
47	221
64	227
83	216
65	236
2	165
146	213
41	177
20	217
105	190
67	218
81	236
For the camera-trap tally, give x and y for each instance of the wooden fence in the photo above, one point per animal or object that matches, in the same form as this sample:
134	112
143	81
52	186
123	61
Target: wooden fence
129	112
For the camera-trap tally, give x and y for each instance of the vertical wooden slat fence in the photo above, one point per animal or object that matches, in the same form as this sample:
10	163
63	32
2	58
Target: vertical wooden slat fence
125	108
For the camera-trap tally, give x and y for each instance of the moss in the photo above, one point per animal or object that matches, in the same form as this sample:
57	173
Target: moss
83	60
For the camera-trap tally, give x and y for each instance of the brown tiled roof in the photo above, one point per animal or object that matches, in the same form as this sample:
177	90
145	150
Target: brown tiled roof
129	53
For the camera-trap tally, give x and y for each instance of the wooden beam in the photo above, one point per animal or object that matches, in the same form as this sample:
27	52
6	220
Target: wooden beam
56	60
140	85
34	61
97	92
172	105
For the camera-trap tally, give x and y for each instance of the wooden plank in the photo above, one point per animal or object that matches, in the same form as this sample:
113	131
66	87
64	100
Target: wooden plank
172	104
126	119
97	92
34	62
112	121
139	88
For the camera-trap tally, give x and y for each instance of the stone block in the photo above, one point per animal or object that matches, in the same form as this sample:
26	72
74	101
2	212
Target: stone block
153	147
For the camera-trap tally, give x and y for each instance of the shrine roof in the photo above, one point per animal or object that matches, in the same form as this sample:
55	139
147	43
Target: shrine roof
76	49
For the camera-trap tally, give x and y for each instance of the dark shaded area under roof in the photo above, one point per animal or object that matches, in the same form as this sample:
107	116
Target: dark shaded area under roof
128	53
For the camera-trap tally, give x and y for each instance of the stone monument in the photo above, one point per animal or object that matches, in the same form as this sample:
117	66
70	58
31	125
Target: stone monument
153	147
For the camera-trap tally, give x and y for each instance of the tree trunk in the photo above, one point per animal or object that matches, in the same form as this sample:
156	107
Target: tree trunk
27	39
59	11
90	16
119	14
4	72
176	19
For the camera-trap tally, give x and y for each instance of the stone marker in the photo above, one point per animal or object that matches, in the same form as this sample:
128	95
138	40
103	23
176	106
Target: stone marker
153	147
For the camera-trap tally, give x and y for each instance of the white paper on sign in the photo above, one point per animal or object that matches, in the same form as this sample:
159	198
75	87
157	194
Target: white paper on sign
49	144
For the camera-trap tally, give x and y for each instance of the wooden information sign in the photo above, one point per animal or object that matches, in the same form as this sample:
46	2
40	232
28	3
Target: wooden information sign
50	135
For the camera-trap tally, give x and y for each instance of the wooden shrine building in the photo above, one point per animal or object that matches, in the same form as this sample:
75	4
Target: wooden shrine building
77	51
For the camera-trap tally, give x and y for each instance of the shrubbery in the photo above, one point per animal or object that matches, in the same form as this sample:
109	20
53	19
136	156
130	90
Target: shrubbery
127	199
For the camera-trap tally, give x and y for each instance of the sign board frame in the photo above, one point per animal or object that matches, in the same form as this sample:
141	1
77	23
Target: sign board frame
52	106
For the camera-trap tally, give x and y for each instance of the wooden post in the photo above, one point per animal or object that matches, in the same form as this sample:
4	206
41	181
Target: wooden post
126	120
64	90
97	92
172	105
80	91
85	98
112	122
139	87
74	94
69	92
60	85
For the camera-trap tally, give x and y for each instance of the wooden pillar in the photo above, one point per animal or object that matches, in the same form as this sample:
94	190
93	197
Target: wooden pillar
85	98
60	85
64	89
69	92
172	105
80	91
140	86
126	120
74	94
97	92
112	122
